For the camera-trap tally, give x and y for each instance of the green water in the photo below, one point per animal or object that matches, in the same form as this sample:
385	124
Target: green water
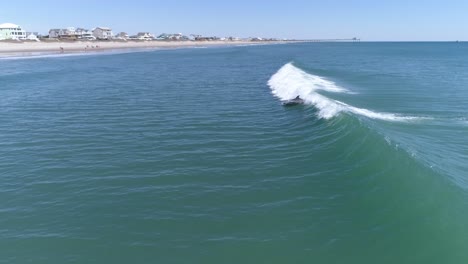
188	156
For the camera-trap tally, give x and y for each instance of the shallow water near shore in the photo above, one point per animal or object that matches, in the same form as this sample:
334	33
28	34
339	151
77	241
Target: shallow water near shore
188	156
55	54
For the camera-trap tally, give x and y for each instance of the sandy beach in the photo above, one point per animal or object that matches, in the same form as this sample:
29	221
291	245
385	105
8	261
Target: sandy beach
14	49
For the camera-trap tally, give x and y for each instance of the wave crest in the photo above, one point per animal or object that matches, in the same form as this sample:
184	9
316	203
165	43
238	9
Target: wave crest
290	81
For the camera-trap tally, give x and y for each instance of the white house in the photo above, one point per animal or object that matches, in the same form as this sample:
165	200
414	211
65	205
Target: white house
11	31
122	36
103	33
68	33
71	33
178	36
145	36
32	36
85	34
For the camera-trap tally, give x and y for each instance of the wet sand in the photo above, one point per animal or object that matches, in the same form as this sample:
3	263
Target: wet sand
18	49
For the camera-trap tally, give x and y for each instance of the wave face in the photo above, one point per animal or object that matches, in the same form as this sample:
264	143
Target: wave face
291	81
439	153
411	168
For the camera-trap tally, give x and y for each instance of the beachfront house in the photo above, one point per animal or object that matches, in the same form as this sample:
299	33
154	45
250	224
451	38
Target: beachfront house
201	38
191	37
71	33
64	33
122	36
163	36
32	36
54	33
144	36
256	39
85	34
68	33
11	31
103	33
178	36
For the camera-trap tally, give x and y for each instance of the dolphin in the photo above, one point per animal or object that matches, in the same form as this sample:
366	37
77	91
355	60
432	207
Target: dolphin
296	101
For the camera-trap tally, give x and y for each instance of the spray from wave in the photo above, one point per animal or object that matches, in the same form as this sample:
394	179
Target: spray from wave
291	81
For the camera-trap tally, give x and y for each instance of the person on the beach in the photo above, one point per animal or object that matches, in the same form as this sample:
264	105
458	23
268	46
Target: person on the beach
61	49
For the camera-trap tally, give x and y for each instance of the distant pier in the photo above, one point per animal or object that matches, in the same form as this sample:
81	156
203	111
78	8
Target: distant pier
333	40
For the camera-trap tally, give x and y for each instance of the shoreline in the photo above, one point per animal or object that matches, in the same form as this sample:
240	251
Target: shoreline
32	49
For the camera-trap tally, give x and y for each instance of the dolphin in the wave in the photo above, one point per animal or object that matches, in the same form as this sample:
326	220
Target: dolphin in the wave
296	101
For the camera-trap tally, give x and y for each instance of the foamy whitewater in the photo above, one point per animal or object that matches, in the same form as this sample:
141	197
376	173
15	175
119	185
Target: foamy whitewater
291	81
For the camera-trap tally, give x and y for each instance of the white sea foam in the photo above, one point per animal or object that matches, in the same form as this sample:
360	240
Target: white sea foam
291	81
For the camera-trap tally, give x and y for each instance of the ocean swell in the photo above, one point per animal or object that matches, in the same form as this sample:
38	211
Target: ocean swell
290	81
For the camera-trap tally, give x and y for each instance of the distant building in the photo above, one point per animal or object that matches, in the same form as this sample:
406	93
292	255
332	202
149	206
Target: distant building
54	33
191	37
103	33
163	36
201	38
122	35
71	33
145	36
68	33
32	36
11	31
178	36
84	34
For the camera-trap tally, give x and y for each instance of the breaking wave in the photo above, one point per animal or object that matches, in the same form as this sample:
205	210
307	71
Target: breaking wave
291	81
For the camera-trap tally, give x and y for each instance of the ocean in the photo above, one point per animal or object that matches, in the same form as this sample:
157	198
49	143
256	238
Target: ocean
189	156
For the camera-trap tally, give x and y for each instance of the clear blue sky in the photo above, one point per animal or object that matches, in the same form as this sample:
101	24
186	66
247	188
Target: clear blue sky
367	19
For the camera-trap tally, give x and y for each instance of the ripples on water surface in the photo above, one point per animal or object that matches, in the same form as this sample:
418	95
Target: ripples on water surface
188	156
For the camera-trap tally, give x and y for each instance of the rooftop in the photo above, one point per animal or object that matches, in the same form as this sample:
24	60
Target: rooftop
8	25
103	28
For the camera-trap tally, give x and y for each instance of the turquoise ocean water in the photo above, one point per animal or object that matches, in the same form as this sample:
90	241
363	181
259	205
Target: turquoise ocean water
188	156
